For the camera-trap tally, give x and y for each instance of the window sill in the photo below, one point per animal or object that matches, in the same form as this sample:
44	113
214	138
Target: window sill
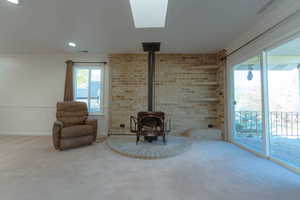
96	115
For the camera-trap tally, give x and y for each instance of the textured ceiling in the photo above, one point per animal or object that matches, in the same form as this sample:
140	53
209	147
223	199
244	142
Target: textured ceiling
106	26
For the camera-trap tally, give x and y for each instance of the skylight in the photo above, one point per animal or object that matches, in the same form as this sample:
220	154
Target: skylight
149	13
16	2
72	44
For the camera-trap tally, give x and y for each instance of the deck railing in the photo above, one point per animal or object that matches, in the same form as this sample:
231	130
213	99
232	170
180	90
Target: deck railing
282	124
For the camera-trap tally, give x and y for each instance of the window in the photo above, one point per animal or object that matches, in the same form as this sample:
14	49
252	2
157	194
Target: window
265	103
284	105
247	103
89	87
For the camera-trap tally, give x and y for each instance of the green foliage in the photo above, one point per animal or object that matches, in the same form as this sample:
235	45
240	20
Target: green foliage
82	78
248	123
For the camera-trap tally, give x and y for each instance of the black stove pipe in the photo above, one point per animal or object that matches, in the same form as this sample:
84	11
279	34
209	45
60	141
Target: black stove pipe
151	48
151	81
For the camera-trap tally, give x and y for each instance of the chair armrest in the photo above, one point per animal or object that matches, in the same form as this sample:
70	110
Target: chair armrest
56	133
58	123
94	124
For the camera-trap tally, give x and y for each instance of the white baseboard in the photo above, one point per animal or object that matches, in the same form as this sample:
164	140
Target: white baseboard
21	133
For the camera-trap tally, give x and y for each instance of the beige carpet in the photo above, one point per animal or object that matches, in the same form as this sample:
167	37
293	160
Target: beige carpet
31	170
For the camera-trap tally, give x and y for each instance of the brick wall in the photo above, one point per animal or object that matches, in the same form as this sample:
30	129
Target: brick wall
187	89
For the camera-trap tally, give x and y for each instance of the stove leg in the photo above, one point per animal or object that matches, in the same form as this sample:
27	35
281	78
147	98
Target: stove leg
137	139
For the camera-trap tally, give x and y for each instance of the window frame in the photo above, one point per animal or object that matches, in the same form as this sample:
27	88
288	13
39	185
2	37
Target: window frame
232	97
265	102
90	67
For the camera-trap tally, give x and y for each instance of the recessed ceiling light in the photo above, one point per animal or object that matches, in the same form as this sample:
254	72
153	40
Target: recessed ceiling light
149	13
16	2
72	44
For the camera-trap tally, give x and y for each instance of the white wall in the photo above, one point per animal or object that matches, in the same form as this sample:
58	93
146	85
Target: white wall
274	14
30	86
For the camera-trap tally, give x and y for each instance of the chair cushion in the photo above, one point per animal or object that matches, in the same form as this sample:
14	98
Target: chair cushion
72	121
76	131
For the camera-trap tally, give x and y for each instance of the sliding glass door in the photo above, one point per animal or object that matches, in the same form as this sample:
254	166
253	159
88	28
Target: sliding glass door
265	106
284	116
247	104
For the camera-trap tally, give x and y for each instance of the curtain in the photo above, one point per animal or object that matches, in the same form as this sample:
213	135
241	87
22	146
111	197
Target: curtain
68	96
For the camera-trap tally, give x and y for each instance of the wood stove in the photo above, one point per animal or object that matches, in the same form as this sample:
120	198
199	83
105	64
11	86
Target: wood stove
150	124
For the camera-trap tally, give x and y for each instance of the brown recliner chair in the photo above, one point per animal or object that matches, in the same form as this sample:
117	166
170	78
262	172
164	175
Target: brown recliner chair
73	128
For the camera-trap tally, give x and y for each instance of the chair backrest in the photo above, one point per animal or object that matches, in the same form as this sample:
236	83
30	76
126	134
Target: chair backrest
71	113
